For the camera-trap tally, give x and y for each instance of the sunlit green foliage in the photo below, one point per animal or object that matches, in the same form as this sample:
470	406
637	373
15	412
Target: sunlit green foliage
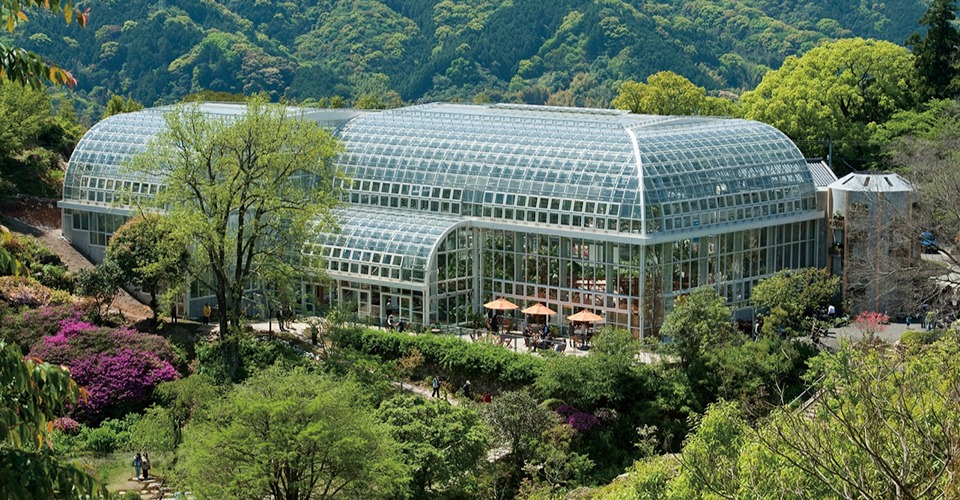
32	395
290	434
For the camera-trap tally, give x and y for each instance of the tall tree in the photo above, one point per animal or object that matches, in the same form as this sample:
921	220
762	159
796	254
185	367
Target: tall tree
32	394
26	67
667	93
246	191
838	92
698	322
442	444
935	52
292	435
149	257
790	299
117	105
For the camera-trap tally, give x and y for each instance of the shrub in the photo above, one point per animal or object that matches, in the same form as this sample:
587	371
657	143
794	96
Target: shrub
118	366
255	353
67	425
28	327
118	383
22	291
462	360
112	435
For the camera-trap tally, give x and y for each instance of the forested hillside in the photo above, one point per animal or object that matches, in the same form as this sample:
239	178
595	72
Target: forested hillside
569	52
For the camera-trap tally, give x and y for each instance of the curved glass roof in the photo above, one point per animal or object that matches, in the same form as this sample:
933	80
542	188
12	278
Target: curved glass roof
383	244
94	174
575	167
606	170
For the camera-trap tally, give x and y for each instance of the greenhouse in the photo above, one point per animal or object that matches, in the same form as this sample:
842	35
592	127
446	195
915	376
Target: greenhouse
449	206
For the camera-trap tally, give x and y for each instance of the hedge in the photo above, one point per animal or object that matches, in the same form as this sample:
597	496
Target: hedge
464	360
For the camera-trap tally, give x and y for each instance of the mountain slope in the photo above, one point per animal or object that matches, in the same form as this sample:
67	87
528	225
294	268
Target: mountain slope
563	51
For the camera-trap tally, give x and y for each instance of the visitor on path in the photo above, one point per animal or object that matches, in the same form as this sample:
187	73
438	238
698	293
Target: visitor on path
280	318
173	314
467	390
207	310
487	397
436	386
401	326
146	466
391	323
137	462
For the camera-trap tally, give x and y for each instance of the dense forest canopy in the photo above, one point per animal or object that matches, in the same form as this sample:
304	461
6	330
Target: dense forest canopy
569	52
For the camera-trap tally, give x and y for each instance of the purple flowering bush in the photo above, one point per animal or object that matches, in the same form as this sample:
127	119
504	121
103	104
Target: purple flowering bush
118	382
28	327
579	420
119	367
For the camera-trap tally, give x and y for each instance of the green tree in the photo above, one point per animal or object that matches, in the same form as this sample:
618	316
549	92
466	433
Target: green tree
32	394
881	426
149	257
790	299
667	93
708	463
246	192
608	378
161	427
442	444
25	67
698	322
117	105
517	420
839	92
100	283
290	434
935	52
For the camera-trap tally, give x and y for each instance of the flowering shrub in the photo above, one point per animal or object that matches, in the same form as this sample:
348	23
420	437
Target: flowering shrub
118	383
78	340
27	328
579	420
67	425
21	291
871	323
118	366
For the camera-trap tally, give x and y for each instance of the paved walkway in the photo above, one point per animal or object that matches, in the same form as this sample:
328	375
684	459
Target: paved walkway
891	333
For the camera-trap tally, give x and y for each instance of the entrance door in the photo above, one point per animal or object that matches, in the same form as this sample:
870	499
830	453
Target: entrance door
397	305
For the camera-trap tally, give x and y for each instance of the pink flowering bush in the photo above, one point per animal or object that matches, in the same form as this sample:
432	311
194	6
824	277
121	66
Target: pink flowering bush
67	425
871	323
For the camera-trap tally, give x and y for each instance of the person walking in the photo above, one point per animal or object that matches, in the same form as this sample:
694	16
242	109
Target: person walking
436	386
467	390
137	462
146	466
207	311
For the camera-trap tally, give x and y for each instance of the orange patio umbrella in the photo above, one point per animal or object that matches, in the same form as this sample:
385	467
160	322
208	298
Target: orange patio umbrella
539	310
501	304
586	317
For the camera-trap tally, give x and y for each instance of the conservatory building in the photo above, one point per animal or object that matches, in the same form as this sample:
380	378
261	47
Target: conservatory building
449	206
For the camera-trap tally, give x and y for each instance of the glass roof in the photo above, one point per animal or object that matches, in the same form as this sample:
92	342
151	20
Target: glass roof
95	175
606	170
580	167
378	243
